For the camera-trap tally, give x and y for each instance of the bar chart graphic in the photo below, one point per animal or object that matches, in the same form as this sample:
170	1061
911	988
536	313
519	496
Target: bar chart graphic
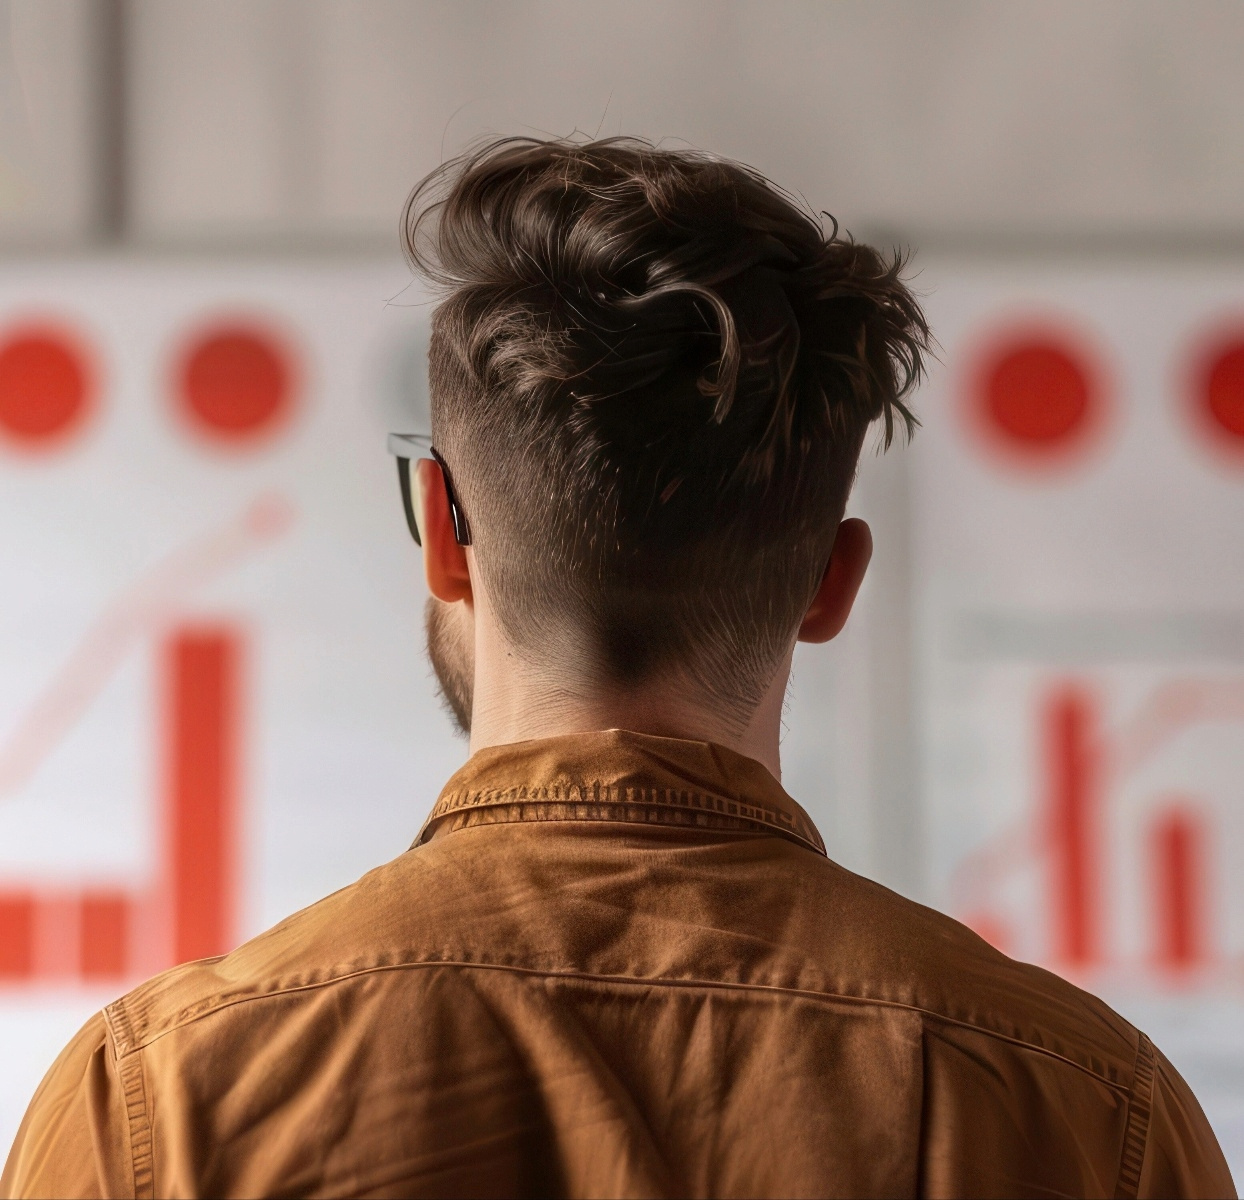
213	710
1070	839
189	902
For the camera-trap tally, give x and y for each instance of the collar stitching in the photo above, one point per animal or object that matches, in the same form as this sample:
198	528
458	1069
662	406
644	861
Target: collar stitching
624	798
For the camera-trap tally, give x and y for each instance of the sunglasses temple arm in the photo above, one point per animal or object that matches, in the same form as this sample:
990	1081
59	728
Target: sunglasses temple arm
462	531
408	501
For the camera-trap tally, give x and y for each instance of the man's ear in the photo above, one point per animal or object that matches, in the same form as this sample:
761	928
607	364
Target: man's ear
830	607
444	561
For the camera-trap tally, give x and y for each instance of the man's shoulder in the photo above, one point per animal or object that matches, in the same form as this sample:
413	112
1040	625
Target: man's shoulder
892	950
1016	1059
361	929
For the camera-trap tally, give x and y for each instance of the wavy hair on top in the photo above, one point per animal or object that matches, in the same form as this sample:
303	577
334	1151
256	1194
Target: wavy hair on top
651	372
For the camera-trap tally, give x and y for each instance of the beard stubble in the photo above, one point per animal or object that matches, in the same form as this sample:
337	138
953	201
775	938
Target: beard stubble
452	657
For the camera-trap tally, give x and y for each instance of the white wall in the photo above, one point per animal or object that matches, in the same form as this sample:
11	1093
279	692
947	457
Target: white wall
55	173
270	121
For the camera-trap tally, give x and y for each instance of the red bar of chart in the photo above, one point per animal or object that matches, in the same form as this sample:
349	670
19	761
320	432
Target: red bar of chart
1177	852
91	937
104	935
202	737
17	928
1072	825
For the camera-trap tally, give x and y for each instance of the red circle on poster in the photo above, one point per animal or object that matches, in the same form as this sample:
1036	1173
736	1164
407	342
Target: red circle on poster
1219	391
236	383
45	386
1037	395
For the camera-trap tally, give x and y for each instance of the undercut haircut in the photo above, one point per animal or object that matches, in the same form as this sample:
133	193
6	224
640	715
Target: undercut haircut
651	373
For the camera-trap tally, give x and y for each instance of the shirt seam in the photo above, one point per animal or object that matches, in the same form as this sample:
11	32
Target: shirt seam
134	1094
134	1097
753	828
603	795
1140	1108
635	981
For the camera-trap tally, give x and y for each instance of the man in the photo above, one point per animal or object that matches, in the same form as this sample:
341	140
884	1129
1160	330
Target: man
617	961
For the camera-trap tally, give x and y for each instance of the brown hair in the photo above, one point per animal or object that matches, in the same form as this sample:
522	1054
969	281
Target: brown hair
651	373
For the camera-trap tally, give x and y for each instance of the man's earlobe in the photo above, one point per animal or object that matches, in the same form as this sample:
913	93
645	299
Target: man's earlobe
444	560
830	607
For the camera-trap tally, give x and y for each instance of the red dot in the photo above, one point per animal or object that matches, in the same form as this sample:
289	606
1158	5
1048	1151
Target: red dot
237	383
1036	394
1222	392
45	387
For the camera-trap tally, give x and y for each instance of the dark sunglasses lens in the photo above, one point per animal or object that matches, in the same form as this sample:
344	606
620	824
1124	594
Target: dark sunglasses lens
408	500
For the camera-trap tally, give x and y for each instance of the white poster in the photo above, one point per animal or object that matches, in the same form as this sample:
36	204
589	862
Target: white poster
1079	601
214	706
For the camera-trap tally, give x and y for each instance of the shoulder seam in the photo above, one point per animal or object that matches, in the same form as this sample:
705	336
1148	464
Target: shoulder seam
134	1095
117	1021
1139	1109
190	1016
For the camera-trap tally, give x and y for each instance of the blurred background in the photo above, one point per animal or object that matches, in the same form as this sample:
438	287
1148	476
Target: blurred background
213	702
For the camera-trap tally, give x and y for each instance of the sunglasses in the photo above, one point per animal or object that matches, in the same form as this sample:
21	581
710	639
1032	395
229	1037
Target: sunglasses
409	448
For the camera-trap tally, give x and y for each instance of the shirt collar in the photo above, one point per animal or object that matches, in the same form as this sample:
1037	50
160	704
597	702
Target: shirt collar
617	775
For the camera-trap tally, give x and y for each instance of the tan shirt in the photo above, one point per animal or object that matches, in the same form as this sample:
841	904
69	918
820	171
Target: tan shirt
613	965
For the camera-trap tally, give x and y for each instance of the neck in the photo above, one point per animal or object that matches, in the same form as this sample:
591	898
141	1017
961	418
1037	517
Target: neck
515	701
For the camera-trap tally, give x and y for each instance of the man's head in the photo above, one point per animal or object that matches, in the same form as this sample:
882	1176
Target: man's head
651	375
